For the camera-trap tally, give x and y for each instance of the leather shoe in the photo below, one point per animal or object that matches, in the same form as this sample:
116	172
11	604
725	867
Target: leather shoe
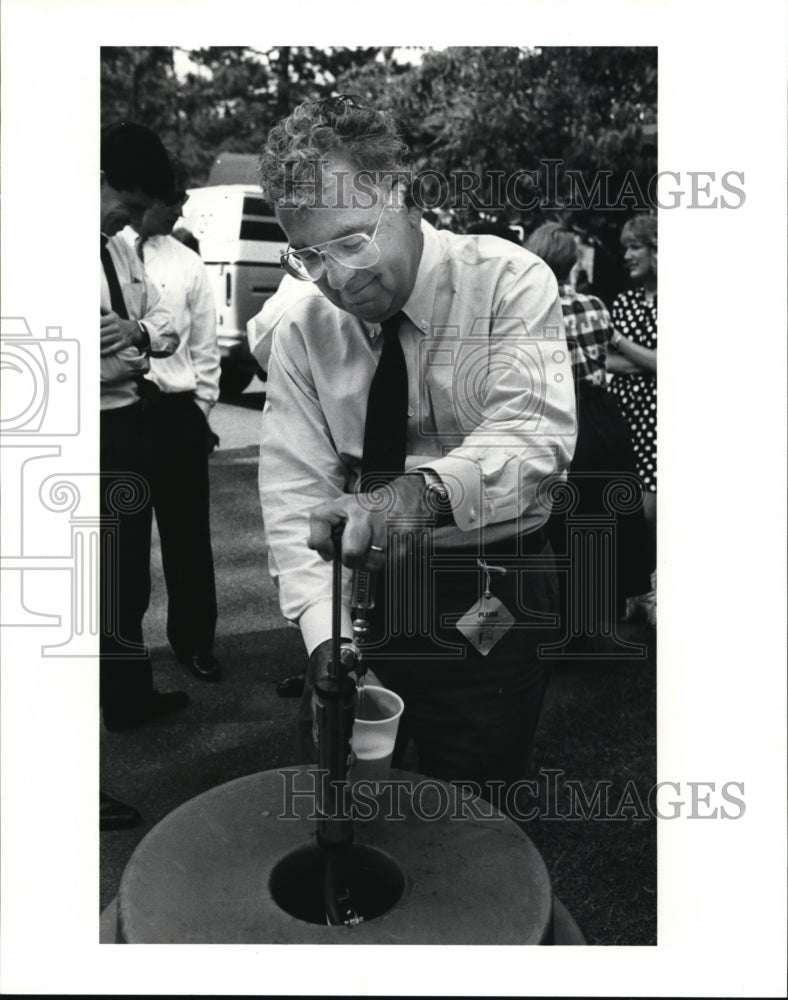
115	815
291	687
203	664
157	704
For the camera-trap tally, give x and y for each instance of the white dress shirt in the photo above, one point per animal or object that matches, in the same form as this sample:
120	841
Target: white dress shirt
182	280
491	404
143	302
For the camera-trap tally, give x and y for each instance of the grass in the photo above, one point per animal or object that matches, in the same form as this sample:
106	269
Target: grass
599	725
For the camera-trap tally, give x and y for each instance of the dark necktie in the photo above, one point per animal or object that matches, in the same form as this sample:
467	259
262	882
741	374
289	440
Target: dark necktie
385	433
148	391
115	294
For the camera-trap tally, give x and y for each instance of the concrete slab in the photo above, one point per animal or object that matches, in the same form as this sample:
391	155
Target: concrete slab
203	875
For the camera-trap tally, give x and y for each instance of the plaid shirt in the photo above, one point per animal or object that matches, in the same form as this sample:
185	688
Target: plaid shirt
588	332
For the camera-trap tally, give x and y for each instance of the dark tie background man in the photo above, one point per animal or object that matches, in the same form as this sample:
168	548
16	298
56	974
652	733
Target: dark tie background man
135	169
436	363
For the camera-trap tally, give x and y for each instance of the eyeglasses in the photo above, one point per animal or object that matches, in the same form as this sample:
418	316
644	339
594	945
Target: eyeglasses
357	250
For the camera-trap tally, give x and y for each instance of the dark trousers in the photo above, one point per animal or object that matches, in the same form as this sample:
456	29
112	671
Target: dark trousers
471	717
126	674
180	488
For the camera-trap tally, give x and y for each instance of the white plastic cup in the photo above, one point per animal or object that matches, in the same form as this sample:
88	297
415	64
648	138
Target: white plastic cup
374	733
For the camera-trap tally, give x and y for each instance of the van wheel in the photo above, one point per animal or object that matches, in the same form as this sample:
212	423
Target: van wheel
233	381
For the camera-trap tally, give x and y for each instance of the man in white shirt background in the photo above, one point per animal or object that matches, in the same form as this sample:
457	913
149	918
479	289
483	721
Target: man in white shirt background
181	438
188	384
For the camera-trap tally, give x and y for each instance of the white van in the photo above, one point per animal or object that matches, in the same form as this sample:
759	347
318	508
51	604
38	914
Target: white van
240	243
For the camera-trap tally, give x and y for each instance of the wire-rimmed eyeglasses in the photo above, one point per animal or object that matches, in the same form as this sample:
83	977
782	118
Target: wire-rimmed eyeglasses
356	250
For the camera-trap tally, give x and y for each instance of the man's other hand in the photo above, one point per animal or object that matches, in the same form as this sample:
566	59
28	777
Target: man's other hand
117	333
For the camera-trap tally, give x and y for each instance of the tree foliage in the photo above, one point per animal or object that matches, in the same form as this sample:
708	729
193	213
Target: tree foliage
483	109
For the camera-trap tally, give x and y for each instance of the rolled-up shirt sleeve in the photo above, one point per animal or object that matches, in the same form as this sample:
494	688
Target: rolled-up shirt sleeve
159	323
515	384
299	468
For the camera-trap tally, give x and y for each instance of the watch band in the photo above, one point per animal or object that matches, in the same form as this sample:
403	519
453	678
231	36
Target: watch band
436	498
434	484
145	345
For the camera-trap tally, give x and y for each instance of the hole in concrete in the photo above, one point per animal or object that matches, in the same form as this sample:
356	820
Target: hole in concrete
374	882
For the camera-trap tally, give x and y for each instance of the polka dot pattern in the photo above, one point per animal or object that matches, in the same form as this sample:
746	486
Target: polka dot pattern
636	318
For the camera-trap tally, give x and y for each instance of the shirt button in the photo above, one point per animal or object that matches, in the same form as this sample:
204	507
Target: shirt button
410	411
472	514
423	324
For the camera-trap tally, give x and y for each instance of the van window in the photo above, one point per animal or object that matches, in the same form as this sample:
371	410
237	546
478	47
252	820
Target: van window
258	223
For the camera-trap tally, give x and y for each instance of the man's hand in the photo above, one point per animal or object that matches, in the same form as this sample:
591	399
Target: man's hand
117	333
363	528
364	534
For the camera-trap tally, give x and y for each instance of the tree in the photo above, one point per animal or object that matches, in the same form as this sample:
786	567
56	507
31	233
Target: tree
138	84
479	110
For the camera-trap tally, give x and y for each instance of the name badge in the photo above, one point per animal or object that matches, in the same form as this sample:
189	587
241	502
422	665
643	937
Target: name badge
484	624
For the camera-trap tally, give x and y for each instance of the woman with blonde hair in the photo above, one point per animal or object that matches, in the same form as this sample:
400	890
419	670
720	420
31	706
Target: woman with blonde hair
634	382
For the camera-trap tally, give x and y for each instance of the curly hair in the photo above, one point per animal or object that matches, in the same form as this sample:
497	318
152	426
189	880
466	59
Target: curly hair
556	246
642	228
288	165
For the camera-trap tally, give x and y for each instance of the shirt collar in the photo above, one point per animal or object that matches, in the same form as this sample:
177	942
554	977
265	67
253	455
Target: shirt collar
420	306
128	235
131	236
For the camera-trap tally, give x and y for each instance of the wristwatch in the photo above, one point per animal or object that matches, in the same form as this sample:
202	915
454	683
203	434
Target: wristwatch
436	497
144	347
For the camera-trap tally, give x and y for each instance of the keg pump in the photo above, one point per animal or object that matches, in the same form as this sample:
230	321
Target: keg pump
335	691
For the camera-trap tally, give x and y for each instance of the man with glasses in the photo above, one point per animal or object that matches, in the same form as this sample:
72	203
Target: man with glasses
420	397
181	438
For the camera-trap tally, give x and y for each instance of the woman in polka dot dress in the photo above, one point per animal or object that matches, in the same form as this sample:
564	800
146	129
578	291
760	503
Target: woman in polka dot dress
634	382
